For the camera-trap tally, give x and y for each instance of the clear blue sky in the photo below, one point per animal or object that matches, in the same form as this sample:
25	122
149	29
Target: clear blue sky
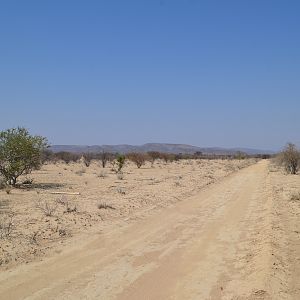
207	73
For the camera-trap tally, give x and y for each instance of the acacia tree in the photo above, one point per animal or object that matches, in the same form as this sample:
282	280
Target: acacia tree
290	158
20	153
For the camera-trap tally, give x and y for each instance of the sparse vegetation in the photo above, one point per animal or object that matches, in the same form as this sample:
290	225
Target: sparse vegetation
67	157
39	226
240	155
69	207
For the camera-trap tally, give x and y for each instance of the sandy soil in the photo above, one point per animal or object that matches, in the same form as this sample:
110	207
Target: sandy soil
172	235
140	192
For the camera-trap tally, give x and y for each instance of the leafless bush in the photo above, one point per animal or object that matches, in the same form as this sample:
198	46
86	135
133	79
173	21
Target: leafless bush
153	156
167	157
69	207
104	157
138	158
47	207
87	158
6	226
290	158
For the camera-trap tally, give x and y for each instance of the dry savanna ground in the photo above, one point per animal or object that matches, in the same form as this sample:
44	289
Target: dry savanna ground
192	229
41	219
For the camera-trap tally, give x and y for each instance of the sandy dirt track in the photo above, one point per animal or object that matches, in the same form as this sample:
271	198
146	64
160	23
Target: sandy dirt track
213	245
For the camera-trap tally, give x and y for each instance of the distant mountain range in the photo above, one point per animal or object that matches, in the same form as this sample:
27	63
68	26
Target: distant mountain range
160	147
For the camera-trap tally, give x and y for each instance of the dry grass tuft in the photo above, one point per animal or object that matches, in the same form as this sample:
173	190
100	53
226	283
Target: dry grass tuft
295	196
47	207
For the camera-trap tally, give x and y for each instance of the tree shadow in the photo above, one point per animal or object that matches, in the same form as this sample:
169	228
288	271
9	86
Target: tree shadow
4	206
41	186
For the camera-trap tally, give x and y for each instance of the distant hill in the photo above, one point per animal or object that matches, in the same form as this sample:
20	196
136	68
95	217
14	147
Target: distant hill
160	147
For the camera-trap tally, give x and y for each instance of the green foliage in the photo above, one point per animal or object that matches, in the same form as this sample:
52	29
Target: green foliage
20	153
120	162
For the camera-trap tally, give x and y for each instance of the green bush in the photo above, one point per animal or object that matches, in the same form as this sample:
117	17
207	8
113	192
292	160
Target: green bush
120	162
20	153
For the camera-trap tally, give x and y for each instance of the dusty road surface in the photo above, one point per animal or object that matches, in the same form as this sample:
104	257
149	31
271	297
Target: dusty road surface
213	245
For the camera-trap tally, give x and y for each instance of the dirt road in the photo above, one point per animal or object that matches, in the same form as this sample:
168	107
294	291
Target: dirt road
213	245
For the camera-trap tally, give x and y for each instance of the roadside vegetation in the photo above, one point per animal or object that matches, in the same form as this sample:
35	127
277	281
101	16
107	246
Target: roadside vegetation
20	153
46	197
289	158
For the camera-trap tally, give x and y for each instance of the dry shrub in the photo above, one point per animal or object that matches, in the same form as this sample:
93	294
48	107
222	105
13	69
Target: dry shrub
47	207
69	207
153	156
290	158
87	158
138	158
104	157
